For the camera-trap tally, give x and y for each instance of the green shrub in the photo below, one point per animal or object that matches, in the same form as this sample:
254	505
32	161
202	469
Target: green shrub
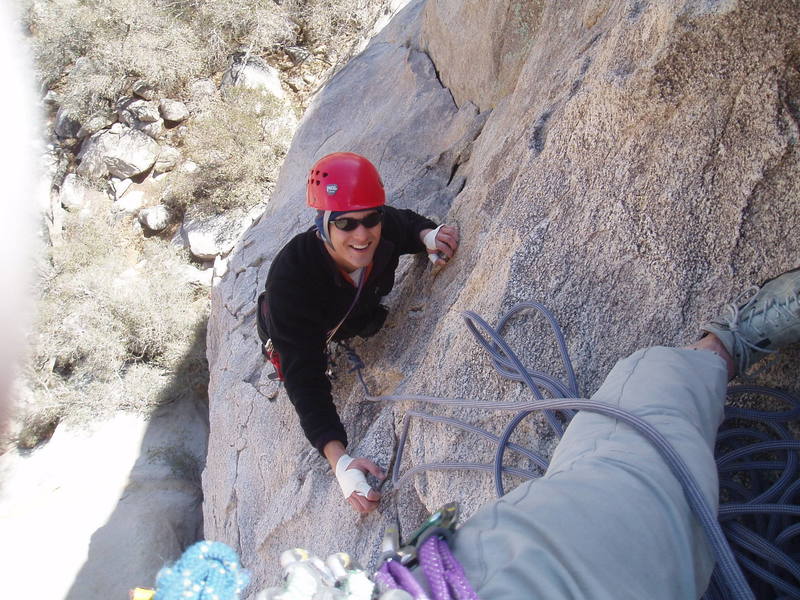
169	42
115	323
117	43
334	25
239	142
226	25
166	43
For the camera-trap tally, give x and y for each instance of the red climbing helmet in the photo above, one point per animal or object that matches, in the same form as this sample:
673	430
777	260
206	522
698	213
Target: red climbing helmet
344	181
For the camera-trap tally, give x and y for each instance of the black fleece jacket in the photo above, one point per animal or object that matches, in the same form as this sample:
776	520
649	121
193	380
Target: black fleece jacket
307	296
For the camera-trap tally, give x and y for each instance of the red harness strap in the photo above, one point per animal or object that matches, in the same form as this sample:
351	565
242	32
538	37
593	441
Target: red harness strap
272	356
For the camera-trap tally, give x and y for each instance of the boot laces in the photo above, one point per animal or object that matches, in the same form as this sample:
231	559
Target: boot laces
743	318
774	313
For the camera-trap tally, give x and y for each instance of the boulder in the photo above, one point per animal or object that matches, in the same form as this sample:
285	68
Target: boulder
297	54
210	236
121	151
131	201
67	124
196	276
140	110
142	116
189	166
201	93
154	218
220	267
119	186
253	73
144	90
167	160
52	99
76	195
201	89
54	213
96	122
638	168
92	156
83	68
173	110
154	130
73	193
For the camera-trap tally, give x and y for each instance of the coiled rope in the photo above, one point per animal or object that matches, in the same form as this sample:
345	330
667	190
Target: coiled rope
205	571
758	465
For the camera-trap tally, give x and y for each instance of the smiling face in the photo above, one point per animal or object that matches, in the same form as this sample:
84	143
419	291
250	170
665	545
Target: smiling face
353	250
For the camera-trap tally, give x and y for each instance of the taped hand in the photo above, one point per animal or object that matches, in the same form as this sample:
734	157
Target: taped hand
350	475
441	243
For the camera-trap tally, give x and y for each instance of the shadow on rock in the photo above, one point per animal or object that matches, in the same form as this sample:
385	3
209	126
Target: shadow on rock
159	512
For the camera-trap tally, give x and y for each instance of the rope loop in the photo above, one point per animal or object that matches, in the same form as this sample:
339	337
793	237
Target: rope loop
205	571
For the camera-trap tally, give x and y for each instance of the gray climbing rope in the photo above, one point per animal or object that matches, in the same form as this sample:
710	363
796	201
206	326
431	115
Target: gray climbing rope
764	534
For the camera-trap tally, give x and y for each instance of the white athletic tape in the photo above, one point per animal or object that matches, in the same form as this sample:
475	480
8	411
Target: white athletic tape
430	243
350	480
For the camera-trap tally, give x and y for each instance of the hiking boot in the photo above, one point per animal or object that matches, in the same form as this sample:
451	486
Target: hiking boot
767	321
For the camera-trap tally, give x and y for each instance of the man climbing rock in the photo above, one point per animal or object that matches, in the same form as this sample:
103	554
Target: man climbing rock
326	285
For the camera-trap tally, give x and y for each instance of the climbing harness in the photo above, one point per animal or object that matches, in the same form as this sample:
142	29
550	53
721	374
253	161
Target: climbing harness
356	363
359	289
762	525
275	359
268	349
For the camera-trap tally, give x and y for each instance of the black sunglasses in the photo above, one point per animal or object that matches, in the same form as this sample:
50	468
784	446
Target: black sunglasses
349	223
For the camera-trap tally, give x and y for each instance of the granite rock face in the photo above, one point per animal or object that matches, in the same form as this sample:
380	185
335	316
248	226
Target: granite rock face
637	169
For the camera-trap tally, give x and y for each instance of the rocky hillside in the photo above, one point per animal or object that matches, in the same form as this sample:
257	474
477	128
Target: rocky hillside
164	125
631	164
